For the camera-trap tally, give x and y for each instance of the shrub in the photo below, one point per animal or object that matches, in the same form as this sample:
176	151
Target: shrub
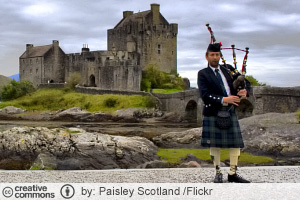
16	89
111	102
72	81
145	85
150	102
154	78
254	81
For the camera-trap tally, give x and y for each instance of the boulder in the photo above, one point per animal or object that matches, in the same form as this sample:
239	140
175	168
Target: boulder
155	164
186	139
44	160
273	134
12	110
72	114
172	117
190	164
139	113
192	161
73	149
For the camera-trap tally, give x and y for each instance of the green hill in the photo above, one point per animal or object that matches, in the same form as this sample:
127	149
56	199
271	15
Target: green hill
4	81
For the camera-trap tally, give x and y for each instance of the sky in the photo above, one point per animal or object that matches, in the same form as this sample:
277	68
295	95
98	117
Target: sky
270	28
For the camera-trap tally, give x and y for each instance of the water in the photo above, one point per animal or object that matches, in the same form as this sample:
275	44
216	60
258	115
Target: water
145	129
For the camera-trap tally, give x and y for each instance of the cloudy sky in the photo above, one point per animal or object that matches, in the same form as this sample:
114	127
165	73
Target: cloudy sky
270	28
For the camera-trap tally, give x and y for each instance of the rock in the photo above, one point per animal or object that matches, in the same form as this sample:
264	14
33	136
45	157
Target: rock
140	113
172	117
72	114
12	110
127	112
274	134
45	161
154	164
186	139
75	150
202	163
271	134
190	164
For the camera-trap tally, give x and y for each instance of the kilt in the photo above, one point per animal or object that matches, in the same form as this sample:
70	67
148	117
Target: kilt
212	136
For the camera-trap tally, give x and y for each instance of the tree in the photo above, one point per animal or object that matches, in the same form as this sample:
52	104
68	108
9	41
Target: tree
16	89
154	78
253	81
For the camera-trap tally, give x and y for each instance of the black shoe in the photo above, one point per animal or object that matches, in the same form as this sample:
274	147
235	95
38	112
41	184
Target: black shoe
218	178
237	179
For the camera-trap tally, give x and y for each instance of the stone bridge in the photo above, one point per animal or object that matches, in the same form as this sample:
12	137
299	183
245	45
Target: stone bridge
189	105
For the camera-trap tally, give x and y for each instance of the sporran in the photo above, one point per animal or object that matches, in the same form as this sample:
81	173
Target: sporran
223	119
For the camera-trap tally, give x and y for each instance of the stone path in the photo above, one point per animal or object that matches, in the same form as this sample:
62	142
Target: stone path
269	174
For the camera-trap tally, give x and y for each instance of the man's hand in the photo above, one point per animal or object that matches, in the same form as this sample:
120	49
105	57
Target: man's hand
242	93
232	100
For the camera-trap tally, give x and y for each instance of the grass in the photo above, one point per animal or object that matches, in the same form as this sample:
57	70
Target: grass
298	113
166	90
56	99
173	155
38	167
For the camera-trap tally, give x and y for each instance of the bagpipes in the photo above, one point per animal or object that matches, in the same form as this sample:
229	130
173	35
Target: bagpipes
239	78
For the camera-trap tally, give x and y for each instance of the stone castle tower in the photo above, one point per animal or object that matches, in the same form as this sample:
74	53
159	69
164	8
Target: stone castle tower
138	40
150	35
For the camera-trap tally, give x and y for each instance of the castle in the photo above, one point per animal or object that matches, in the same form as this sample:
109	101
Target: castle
137	41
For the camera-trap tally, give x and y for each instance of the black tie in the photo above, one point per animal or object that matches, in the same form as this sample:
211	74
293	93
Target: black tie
221	81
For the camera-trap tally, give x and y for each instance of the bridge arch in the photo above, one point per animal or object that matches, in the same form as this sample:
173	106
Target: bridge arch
191	111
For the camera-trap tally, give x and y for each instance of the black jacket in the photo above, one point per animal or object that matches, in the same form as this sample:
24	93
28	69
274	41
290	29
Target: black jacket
211	91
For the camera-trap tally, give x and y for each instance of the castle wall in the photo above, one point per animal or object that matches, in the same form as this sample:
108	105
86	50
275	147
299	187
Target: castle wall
150	35
31	69
160	48
53	68
276	99
118	70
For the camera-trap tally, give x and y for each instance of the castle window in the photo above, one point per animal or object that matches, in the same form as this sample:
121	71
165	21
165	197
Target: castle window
30	71
172	52
36	71
129	29
37	60
158	51
30	61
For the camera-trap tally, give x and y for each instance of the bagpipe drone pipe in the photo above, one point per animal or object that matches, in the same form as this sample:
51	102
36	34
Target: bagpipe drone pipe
240	82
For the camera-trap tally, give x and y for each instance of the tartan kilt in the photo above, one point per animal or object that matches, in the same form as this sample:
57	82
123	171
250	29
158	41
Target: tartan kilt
212	136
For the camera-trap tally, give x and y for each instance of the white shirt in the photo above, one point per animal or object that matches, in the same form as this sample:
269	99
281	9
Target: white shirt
227	88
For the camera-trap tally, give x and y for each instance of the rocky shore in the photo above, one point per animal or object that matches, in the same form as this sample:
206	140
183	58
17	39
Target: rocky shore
273	134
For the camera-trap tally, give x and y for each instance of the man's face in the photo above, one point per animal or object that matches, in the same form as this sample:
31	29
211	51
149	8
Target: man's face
213	58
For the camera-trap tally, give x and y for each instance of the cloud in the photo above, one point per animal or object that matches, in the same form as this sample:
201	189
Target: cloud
270	28
40	9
